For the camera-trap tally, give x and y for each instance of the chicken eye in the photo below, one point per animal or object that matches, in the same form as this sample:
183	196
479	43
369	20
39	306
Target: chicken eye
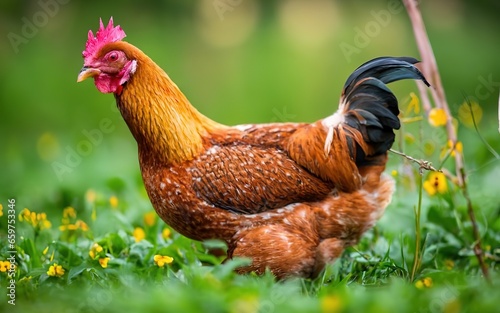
113	56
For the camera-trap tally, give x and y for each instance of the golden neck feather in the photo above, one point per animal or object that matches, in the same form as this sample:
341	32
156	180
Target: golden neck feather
165	125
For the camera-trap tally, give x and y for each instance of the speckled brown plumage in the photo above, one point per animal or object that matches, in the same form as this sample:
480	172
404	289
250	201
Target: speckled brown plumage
290	196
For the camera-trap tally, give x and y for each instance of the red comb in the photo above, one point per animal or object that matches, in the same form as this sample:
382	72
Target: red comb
102	37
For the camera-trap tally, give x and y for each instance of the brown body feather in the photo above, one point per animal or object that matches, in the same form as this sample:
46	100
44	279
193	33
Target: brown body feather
275	193
252	195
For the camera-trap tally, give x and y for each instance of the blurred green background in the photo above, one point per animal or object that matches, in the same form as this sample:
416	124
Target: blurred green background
238	62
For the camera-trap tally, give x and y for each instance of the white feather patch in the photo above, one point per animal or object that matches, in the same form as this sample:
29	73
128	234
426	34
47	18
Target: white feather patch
243	127
330	123
133	66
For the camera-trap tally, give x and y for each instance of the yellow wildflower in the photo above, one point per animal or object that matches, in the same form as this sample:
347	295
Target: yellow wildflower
436	183
36	220
150	218
104	262
139	234
429	147
459	147
69	212
4	266
246	303
82	225
414	104
409	138
44	252
94	250
113	201
424	283
165	233
465	115
55	270
437	117
90	196
68	227
331	303
1	210
43	223
449	264
161	260
453	306
427	282
25	215
48	146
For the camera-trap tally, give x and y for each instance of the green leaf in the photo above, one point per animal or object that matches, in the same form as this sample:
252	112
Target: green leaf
139	251
116	184
75	271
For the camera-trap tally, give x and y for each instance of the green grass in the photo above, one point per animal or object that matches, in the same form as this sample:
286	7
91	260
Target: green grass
256	78
373	276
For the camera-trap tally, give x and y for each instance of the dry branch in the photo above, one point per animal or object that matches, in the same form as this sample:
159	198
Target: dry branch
423	164
430	70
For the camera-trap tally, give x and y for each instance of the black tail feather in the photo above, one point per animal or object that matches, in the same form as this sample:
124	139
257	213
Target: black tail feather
370	107
387	70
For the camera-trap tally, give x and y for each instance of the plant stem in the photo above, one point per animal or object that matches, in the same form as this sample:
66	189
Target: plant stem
478	251
430	70
418	234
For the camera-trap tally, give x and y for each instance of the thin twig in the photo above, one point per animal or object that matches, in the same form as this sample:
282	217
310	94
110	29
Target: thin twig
423	164
478	251
448	175
430	70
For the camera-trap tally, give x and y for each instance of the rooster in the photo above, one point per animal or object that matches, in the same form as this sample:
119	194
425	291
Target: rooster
289	196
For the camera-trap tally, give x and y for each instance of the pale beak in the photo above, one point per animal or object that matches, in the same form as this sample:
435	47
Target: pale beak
87	72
